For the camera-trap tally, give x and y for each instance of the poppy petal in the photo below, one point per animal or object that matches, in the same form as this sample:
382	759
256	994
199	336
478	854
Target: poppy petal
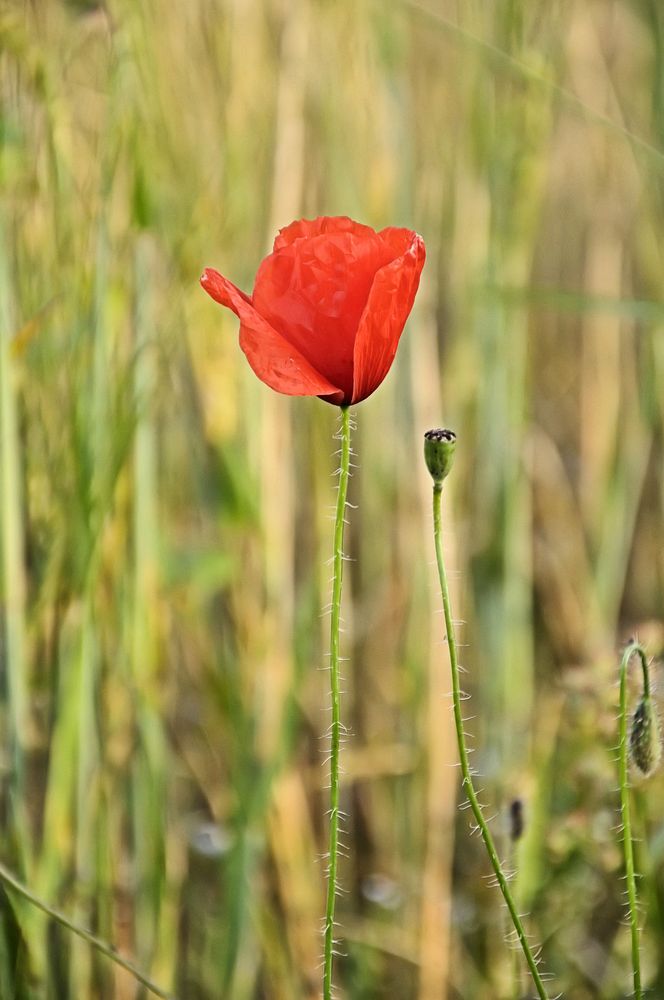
314	292
390	301
276	362
306	228
222	290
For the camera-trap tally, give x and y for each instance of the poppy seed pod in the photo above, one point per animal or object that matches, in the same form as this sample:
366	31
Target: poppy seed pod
645	740
439	448
328	307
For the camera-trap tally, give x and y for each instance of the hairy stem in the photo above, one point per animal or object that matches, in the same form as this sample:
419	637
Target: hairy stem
467	782
335	728
628	850
12	883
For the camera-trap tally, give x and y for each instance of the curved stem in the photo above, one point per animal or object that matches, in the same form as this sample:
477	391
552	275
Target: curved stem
467	783
628	850
335	727
11	882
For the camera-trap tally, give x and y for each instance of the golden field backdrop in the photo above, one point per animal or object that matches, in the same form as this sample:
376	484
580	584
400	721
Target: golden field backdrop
165	518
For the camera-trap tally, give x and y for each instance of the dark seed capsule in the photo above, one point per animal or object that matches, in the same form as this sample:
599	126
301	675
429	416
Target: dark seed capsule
517	819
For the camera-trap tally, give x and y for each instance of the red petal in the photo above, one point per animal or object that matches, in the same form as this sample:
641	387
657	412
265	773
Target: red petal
275	361
389	303
316	227
314	291
222	290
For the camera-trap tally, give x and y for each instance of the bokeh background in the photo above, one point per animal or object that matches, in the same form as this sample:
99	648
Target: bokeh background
165	518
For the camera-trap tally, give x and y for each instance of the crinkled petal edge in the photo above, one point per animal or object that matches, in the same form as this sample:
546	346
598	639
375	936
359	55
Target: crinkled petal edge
276	362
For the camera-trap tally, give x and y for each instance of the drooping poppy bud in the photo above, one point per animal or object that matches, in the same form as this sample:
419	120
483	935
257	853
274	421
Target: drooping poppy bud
439	446
645	738
328	307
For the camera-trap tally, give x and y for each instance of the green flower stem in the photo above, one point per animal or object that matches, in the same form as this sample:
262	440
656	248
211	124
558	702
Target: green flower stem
335	727
12	883
630	874
467	783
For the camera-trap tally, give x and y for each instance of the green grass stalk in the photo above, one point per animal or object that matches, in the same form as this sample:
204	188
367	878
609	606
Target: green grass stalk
335	697
155	941
13	884
12	536
467	782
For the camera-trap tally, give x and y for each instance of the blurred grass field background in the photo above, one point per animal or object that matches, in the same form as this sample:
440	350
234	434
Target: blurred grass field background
165	518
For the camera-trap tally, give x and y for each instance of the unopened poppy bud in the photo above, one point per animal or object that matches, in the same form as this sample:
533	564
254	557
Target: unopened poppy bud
645	739
439	448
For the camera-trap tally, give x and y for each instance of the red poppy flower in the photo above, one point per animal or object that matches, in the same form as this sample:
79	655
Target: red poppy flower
328	307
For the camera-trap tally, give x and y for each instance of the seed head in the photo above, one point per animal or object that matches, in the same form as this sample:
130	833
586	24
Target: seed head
439	448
